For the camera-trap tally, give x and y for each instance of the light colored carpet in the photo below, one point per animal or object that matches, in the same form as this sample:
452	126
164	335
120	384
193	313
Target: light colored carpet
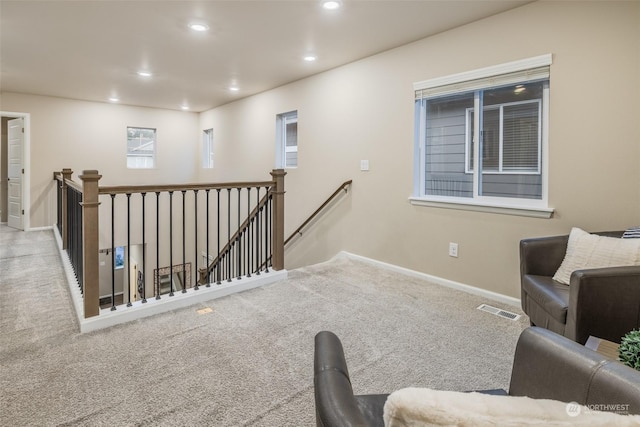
249	362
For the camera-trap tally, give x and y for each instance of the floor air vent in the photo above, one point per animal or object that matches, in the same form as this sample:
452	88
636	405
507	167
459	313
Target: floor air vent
498	312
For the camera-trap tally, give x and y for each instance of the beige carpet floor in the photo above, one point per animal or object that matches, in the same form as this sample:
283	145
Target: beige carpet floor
249	361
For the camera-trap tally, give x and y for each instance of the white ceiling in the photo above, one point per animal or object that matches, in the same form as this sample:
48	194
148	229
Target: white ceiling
91	50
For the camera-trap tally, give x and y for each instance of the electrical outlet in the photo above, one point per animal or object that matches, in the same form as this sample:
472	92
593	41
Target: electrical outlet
453	249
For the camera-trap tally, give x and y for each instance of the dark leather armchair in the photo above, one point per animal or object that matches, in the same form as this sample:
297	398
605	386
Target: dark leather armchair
545	366
603	302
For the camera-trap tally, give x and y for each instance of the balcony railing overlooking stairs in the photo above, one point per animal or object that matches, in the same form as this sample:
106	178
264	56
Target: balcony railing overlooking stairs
228	231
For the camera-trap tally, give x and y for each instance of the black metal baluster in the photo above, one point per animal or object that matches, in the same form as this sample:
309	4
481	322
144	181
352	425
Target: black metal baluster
156	276
218	235
208	259
239	248
76	234
113	254
129	249
258	249
195	238
248	233
267	231
184	246
79	235
69	223
144	256
228	251
171	243
252	239
70	230
73	229
59	206
79	238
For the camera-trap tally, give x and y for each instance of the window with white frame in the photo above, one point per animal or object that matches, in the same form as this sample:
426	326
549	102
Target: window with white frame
207	149
287	140
507	106
141	148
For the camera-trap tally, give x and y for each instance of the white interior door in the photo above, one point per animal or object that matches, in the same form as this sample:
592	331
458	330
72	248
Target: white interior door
15	172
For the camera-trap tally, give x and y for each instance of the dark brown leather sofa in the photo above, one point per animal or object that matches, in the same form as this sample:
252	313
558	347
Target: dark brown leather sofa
603	302
545	366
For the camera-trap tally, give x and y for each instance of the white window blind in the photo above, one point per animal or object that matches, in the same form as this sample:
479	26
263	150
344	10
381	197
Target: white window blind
517	72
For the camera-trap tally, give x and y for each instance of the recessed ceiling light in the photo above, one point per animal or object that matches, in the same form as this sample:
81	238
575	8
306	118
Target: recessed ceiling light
114	99
185	107
143	73
310	58
198	26
234	88
331	4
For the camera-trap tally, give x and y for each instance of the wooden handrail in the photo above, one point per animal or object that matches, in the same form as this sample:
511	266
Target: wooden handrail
342	186
123	189
59	176
74	185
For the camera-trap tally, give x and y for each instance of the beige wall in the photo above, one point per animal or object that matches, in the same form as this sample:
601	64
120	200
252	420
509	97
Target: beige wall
365	111
89	135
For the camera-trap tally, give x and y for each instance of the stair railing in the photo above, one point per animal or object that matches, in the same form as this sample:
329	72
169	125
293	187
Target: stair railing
251	225
298	231
78	222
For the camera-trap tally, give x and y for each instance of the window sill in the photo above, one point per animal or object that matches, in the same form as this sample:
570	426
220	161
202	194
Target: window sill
497	208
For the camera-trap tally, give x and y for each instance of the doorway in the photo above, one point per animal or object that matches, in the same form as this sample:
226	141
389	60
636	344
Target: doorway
15	143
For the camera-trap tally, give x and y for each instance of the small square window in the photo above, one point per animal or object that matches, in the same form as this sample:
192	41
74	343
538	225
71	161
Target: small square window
141	148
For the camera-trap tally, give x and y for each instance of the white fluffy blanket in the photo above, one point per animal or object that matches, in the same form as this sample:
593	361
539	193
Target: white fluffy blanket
418	407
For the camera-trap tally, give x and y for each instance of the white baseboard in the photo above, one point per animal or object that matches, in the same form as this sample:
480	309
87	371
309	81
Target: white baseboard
435	279
139	310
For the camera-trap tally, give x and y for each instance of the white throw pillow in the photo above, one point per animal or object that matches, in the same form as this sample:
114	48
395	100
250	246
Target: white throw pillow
420	407
586	251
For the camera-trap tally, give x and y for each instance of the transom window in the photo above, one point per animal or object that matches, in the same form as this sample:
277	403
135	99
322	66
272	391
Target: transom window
507	106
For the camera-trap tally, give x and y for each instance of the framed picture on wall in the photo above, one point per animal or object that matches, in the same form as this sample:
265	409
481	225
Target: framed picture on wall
119	260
